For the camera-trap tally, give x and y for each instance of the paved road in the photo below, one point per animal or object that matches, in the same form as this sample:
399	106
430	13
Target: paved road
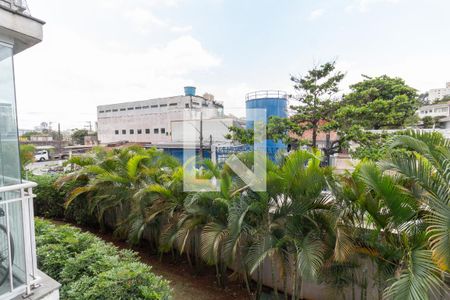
41	167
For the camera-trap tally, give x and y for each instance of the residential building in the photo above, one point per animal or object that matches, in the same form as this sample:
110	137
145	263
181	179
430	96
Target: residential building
154	120
440	112
19	276
438	94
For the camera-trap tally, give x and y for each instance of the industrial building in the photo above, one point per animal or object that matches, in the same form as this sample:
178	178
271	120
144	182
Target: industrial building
161	120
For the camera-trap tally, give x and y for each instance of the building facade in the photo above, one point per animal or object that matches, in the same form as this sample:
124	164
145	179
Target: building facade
154	121
19	276
438	94
440	112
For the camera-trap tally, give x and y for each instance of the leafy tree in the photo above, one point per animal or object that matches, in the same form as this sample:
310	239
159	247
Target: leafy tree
374	104
26	156
378	103
428	122
423	99
444	99
78	136
315	92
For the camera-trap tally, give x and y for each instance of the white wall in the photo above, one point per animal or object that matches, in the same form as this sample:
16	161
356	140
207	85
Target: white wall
437	94
148	116
217	128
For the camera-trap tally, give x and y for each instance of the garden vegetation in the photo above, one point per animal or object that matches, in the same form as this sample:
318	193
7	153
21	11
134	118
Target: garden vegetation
310	225
89	268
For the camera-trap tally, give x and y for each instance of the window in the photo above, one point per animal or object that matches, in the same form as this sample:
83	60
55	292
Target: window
138	107
123	109
173	104
147	131
145	107
162	105
124	131
139	131
131	131
130	108
116	131
163	130
154	106
156	131
108	110
114	110
102	111
187	105
195	103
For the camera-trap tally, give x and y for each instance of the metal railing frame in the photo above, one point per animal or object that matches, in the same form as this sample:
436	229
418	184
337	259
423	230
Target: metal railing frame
25	197
266	94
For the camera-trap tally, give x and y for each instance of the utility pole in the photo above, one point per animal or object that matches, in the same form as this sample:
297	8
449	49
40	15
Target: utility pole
90	126
201	135
59	138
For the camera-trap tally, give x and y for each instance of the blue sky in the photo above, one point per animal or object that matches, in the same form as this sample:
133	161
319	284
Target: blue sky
106	51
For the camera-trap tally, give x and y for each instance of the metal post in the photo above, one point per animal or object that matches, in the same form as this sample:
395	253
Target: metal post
201	135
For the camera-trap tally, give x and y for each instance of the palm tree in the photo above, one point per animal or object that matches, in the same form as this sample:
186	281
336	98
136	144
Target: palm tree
401	216
290	220
114	177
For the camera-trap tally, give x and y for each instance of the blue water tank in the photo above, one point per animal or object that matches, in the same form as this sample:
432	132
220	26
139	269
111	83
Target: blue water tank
275	103
189	90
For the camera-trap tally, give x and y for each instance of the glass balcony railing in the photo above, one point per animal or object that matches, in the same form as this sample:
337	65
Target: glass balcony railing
18	267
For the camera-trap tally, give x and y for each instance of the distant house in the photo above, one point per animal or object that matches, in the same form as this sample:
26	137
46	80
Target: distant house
440	112
321	138
41	138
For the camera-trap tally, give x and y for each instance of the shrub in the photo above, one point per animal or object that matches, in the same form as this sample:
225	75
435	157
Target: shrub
49	201
89	268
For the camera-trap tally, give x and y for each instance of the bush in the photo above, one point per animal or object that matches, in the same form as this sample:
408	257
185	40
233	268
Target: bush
89	268
49	201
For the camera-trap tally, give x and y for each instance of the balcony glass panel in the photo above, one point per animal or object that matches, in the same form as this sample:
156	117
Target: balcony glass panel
9	149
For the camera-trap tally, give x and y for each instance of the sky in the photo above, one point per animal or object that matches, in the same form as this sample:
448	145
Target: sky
98	52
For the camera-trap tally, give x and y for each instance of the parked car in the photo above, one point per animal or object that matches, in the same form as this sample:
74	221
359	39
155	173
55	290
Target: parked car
41	155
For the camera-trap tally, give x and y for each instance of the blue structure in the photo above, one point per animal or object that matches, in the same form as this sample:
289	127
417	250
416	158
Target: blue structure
189	90
275	104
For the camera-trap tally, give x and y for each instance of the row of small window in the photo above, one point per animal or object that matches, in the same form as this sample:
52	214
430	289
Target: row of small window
139	131
436	110
146	107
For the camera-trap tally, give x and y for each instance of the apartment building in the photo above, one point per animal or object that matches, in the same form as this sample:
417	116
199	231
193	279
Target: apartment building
438	94
440	111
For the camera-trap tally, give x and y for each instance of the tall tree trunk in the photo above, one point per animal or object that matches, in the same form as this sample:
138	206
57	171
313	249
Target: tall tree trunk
259	284
274	281
314	136
294	283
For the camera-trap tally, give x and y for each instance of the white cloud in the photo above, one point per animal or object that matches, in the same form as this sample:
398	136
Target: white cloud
364	5
143	20
73	75
315	14
181	29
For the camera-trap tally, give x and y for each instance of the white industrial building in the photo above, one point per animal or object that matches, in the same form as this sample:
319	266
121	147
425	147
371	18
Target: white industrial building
161	120
438	94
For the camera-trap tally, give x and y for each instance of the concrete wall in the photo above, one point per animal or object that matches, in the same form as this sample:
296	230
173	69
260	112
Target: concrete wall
217	128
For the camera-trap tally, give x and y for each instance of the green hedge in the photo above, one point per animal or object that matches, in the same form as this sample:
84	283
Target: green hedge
89	268
49	201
